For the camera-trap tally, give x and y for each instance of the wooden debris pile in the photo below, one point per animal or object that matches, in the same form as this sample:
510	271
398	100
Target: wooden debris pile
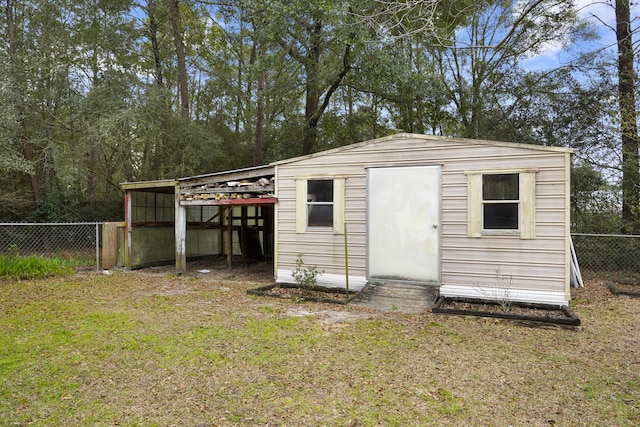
244	189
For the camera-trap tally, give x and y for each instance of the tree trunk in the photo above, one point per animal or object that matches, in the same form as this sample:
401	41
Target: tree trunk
311	117
153	37
176	23
315	105
626	98
257	150
34	179
313	91
11	30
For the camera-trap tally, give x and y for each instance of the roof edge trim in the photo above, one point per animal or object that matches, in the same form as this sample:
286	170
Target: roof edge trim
427	138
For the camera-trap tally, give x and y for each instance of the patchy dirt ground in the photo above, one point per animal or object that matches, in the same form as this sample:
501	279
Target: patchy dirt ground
215	274
216	270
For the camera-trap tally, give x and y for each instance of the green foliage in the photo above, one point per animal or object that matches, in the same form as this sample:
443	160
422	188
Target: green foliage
17	267
89	89
12	160
595	204
305	276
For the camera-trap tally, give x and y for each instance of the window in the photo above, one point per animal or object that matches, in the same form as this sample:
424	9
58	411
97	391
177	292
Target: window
501	202
152	207
320	203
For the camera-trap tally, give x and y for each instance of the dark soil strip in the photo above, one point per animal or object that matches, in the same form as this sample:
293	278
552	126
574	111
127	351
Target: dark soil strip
630	289
306	293
536	313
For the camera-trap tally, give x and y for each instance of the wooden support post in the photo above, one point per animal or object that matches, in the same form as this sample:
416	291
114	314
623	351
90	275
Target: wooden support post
242	237
268	232
230	237
128	232
180	229
346	259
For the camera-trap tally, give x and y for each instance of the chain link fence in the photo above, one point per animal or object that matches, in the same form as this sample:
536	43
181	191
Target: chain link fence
77	241
608	256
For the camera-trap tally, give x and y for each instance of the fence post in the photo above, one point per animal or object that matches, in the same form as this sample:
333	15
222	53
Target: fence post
97	247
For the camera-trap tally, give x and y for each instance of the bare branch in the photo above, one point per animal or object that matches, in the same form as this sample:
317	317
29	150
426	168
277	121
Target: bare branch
393	20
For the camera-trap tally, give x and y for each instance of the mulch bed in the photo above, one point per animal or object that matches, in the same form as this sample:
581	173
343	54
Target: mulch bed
305	293
627	288
534	314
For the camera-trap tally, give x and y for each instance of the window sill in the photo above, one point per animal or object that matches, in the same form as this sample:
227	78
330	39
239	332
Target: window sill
501	233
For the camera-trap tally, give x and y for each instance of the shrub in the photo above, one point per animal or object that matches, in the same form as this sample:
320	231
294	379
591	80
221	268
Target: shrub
305	276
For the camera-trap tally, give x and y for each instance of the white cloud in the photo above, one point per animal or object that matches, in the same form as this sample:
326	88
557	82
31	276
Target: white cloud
602	15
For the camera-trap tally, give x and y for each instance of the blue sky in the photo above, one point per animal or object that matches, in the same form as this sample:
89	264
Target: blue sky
602	15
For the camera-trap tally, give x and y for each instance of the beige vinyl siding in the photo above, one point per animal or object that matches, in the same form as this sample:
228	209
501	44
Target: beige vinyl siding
321	247
536	264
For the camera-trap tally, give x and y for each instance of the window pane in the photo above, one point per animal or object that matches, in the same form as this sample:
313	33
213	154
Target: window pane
500	216
500	187
320	203
320	216
320	190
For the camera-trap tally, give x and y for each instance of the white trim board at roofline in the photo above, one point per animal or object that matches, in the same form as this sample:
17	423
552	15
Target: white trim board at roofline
432	138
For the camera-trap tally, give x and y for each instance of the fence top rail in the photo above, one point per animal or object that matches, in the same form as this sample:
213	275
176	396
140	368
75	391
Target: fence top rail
4	224
605	235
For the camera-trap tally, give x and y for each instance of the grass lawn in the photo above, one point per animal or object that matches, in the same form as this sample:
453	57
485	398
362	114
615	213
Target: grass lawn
133	349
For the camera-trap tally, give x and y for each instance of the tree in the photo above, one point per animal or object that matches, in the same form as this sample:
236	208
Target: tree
98	92
106	65
498	38
628	118
12	162
152	28
593	201
320	38
433	20
403	77
259	141
183	81
39	60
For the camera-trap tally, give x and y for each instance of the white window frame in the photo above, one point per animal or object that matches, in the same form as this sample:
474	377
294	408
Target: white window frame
302	203
498	202
313	203
526	203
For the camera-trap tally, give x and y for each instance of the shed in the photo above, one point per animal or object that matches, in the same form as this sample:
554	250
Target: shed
470	218
218	214
465	218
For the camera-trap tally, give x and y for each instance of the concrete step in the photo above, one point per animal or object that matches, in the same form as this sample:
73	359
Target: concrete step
399	297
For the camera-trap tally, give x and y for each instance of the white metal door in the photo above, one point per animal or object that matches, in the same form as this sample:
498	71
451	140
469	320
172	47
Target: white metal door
403	225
